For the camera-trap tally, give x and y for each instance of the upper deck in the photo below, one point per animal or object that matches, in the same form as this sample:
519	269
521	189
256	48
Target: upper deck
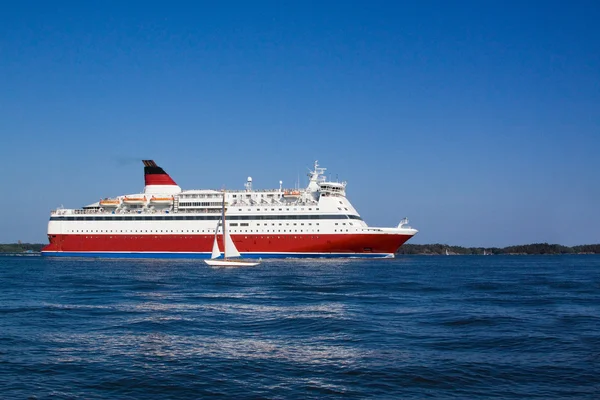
175	200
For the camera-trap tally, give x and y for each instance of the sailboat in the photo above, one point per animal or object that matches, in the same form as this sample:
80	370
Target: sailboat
231	255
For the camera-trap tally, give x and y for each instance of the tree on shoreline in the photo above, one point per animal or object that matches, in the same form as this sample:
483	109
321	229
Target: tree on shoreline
534	248
20	247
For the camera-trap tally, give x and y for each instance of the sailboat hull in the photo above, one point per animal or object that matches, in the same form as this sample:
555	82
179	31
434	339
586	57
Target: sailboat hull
231	263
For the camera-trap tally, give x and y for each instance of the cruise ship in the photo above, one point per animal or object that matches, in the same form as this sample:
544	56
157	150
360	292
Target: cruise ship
167	222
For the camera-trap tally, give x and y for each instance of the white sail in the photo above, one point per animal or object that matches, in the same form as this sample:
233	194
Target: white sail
215	250
231	254
230	249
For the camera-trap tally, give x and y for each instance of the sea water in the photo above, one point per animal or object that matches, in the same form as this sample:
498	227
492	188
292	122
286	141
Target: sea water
464	327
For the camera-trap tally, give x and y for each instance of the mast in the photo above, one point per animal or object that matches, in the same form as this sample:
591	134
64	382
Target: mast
225	249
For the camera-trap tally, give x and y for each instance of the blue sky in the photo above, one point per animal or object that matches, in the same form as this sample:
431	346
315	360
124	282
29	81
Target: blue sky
479	120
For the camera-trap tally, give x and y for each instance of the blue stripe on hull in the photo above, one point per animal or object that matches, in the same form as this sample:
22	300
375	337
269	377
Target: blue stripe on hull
207	255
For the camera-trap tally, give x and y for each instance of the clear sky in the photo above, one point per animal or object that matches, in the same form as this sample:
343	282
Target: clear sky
478	120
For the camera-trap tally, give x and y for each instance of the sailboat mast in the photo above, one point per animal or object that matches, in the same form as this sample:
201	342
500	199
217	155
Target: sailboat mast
225	249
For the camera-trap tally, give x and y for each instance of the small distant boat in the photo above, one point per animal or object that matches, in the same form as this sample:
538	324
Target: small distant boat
107	203
134	200
167	201
447	252
231	255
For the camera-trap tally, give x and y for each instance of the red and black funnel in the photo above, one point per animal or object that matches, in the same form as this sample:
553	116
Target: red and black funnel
155	175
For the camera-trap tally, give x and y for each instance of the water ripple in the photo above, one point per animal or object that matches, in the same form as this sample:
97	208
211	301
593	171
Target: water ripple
415	327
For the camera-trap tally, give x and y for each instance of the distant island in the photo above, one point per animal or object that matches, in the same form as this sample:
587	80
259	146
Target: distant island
422	249
21	247
535	248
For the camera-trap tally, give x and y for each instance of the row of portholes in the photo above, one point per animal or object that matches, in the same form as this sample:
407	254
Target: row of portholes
280	209
176	231
205	237
141	231
209	231
181	231
234	224
278	230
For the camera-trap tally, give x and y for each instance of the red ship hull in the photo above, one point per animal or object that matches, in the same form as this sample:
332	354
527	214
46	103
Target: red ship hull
199	246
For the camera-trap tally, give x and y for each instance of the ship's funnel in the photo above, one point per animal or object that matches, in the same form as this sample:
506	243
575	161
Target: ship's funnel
157	181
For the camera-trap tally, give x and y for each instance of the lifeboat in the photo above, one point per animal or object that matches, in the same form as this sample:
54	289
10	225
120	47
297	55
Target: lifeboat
291	193
161	201
110	203
134	200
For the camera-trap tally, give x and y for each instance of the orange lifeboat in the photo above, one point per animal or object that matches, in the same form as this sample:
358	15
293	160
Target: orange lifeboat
134	200
161	201
108	203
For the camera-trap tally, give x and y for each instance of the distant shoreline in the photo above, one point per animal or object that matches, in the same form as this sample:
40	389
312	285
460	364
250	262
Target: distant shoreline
526	249
416	249
21	247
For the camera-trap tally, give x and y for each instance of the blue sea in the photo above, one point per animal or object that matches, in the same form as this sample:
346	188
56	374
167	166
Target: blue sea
464	327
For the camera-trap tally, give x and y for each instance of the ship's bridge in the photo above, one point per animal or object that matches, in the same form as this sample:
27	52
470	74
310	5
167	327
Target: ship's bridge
332	188
319	186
